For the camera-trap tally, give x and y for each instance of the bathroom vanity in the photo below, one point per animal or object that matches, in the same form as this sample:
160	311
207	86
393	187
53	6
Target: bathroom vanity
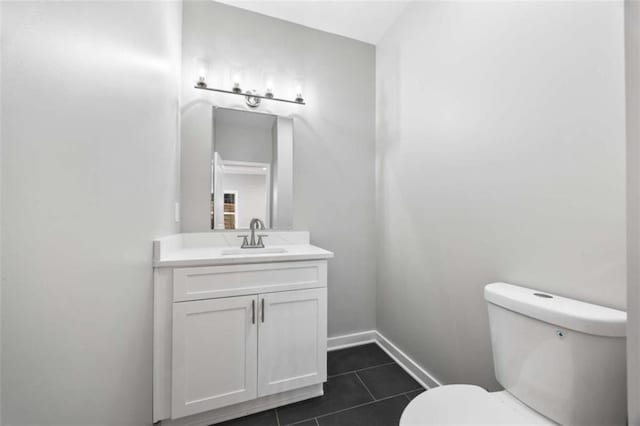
240	324
236	331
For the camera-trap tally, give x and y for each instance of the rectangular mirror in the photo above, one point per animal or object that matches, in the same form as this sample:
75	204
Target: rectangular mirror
251	169
236	165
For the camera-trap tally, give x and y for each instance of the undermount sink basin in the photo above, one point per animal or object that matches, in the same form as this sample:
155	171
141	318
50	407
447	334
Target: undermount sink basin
250	251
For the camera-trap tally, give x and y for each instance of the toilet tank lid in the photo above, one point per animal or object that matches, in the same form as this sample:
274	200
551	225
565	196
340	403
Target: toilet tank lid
561	311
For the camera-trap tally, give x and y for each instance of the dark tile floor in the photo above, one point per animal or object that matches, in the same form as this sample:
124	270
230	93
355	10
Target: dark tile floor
365	388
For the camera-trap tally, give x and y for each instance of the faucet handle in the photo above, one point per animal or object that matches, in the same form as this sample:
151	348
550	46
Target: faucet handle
245	241
260	243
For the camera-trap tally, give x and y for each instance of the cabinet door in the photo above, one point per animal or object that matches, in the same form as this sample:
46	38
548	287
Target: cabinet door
214	354
292	340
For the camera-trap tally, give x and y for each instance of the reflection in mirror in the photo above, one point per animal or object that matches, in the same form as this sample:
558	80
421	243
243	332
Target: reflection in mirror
246	188
251	170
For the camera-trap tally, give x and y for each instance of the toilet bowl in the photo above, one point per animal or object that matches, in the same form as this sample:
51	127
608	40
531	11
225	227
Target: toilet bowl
469	405
560	361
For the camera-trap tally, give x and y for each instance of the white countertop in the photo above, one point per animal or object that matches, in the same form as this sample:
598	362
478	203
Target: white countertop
208	249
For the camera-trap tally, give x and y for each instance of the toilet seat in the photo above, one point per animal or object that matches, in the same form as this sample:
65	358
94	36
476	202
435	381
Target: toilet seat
468	405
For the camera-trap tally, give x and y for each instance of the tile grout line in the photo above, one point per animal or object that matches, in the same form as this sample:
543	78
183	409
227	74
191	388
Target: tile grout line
355	372
277	416
360	405
364	404
365	386
298	422
362	369
414	390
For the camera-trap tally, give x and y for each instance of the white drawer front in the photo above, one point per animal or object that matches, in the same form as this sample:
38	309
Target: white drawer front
235	280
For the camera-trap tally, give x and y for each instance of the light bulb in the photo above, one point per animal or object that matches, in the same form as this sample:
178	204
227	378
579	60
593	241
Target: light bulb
268	85
269	89
236	80
298	85
202	69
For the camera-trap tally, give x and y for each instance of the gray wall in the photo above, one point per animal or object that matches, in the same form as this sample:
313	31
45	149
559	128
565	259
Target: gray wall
632	50
1	43
334	147
500	156
243	136
89	131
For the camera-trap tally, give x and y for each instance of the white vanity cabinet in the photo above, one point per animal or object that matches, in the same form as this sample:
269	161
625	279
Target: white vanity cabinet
235	349
233	339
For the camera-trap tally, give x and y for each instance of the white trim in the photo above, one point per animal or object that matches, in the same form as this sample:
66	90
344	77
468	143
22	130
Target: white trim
420	374
246	167
414	369
353	339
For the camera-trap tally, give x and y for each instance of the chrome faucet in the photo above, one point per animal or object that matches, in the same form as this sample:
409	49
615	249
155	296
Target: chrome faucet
255	224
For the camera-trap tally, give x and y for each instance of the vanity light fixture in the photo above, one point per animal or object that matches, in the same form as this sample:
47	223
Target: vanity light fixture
252	97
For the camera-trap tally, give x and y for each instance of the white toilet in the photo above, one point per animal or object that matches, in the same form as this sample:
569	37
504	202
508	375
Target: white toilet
559	360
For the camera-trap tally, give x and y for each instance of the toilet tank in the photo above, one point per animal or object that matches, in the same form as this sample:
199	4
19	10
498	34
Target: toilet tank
564	358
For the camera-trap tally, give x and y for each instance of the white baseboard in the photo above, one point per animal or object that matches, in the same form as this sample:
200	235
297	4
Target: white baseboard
353	339
414	369
423	377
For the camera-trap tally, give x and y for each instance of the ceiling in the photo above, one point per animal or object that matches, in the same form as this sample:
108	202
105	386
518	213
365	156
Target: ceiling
364	20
